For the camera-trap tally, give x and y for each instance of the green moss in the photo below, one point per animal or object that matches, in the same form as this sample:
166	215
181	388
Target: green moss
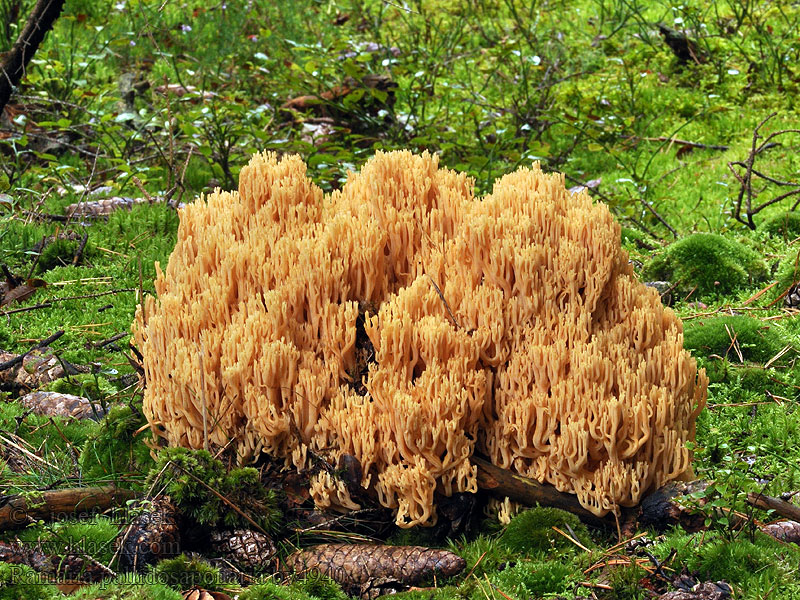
128	587
90	386
625	582
19	582
707	263
189	476
117	448
483	555
61	253
269	590
760	566
320	586
531	532
535	579
758	341
785	225
94	537
183	573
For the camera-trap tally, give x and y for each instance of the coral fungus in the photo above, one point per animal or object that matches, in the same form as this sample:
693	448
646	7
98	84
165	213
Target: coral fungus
510	324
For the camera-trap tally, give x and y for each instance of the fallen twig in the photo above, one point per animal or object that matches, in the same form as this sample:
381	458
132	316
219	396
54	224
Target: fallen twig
20	510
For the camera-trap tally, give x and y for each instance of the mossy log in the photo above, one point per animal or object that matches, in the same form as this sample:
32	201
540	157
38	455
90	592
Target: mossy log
19	510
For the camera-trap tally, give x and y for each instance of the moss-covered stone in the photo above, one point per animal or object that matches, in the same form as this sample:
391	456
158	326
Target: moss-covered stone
757	341
707	263
531	532
785	225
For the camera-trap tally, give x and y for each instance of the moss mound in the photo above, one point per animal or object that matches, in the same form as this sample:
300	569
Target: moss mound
19	582
707	263
758	342
531	532
190	478
182	573
785	225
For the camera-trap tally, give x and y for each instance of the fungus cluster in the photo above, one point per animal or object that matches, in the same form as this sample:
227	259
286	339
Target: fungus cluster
510	325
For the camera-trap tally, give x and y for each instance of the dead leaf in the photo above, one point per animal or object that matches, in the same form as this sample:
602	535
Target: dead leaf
22	291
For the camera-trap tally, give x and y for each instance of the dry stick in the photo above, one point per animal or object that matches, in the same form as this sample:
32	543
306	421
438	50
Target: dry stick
79	251
18	359
686	143
446	305
783	508
12	68
111	340
19	510
52	301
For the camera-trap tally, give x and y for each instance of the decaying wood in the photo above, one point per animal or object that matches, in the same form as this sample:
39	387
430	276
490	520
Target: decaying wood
369	570
664	508
783	508
17	511
501	483
12	67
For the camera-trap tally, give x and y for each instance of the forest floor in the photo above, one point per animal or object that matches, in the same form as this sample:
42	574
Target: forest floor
682	118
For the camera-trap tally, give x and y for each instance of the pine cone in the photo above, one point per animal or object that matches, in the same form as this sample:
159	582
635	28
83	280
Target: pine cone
244	547
151	536
62	405
201	594
786	531
99	208
67	565
363	568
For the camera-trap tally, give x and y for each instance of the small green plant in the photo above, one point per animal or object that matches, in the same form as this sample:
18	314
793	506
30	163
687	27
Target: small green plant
536	579
707	263
626	584
92	386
